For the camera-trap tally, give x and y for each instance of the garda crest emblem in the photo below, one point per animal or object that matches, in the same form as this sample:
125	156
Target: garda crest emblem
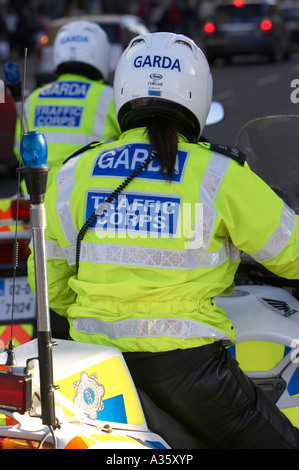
89	394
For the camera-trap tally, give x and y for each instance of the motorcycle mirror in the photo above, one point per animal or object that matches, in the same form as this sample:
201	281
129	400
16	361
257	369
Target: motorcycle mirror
216	113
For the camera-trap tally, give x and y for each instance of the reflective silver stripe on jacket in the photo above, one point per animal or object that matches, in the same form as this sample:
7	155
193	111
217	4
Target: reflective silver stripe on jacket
65	184
64	138
101	113
53	250
143	256
208	190
68	138
280	237
148	328
154	257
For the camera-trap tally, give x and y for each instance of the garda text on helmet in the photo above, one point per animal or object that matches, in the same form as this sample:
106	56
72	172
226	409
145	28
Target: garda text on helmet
74	39
158	62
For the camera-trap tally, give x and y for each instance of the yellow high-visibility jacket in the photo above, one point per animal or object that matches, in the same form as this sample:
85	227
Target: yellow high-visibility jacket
71	112
150	269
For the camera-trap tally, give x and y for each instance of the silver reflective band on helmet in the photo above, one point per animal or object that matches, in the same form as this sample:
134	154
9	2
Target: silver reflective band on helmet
163	73
85	42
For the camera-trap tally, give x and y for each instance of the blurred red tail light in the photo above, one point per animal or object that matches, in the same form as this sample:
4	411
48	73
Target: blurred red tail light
209	28
266	25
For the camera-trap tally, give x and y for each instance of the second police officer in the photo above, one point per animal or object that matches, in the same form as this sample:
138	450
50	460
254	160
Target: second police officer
78	107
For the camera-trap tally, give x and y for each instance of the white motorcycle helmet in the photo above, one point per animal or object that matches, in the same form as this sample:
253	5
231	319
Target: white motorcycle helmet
163	74
82	42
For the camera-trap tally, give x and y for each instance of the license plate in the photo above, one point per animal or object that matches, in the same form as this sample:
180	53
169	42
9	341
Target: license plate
24	300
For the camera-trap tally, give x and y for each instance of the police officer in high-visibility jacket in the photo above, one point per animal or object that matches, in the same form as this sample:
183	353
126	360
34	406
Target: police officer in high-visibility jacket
78	108
142	273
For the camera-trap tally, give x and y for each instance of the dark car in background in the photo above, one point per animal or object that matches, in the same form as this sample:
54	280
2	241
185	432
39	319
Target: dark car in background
290	11
245	27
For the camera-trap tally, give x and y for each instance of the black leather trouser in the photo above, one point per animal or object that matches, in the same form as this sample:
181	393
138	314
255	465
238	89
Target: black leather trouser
205	390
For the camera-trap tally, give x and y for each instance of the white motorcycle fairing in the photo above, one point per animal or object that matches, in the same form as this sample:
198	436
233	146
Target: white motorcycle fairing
266	320
97	405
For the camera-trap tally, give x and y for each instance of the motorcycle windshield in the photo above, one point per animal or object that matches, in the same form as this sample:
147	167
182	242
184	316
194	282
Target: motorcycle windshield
271	145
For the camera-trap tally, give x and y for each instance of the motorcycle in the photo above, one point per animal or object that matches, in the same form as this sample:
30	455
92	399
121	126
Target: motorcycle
69	395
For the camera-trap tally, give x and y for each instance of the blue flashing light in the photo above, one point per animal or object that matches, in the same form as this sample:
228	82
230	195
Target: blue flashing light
34	149
11	72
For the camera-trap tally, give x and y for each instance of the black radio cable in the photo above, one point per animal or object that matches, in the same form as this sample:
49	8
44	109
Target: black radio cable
102	208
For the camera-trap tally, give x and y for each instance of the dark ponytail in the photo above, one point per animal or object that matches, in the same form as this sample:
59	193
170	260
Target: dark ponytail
163	138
